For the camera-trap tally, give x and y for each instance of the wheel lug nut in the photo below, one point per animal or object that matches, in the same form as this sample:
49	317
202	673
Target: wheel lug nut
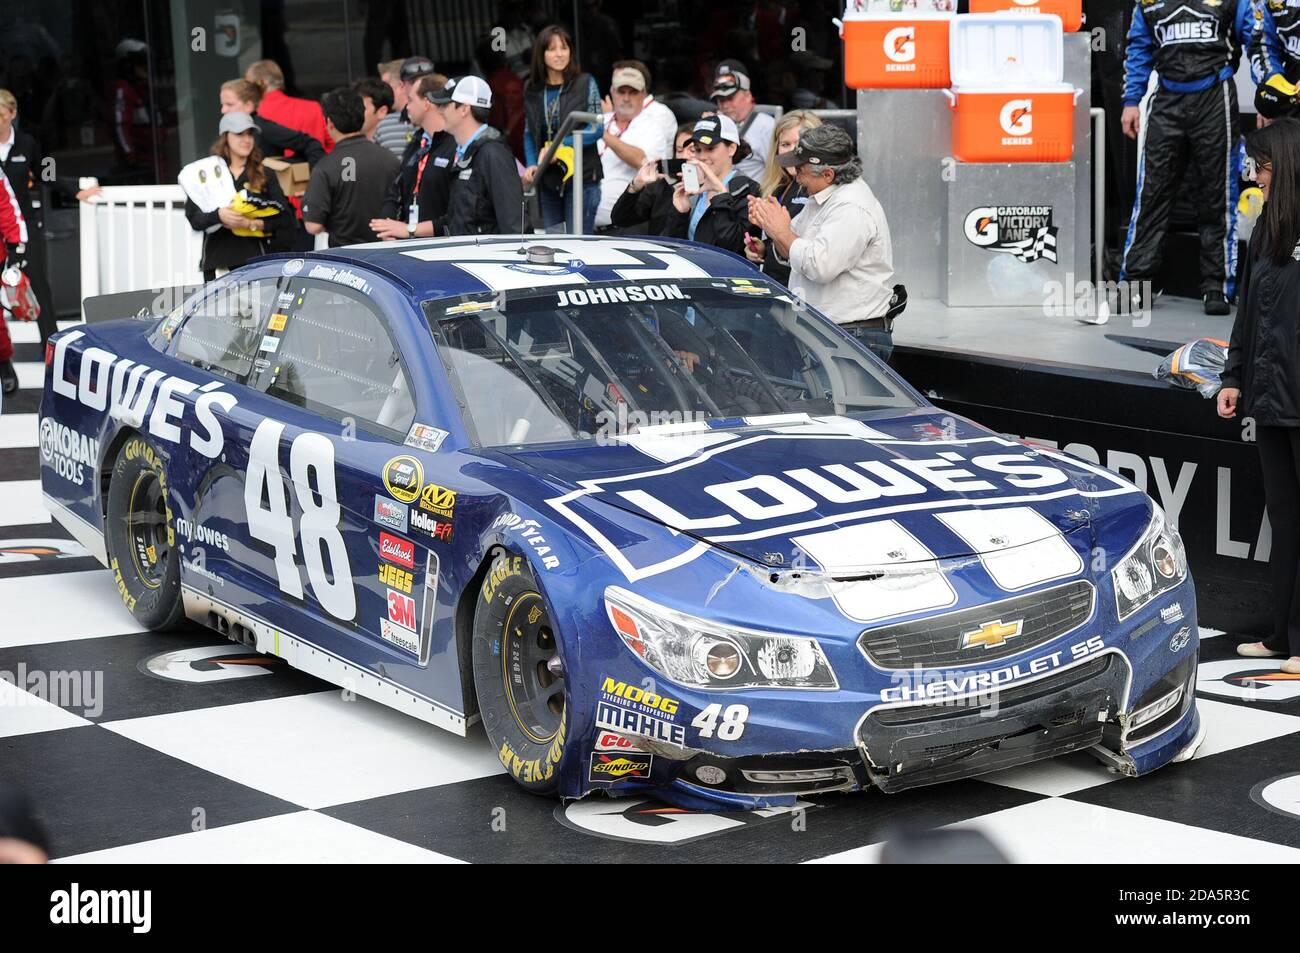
555	666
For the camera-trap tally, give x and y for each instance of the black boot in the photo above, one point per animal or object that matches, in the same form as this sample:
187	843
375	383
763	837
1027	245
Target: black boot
8	377
1216	303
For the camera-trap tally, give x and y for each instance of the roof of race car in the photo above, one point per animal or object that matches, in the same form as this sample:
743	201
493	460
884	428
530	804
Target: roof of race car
438	267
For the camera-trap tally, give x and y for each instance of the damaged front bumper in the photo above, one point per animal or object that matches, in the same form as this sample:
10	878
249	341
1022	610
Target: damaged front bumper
912	745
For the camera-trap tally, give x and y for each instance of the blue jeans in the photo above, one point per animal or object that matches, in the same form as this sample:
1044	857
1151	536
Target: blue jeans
878	340
557	207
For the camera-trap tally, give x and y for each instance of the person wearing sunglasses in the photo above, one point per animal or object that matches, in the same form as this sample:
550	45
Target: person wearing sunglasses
1262	375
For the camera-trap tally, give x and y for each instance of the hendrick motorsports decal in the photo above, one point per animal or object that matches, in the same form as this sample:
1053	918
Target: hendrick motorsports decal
1025	231
1280	794
209	663
40	550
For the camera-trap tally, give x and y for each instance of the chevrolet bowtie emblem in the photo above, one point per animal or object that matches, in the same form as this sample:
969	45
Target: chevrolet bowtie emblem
991	634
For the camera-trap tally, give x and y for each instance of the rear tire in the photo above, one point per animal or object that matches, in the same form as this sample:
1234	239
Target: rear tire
523	702
140	538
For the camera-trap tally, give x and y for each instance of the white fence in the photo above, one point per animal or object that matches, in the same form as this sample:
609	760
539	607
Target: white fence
135	237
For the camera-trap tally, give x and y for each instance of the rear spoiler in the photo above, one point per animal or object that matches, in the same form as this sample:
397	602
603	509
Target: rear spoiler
148	304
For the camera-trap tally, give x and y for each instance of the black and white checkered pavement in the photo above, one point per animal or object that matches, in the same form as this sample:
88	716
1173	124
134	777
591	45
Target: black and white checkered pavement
187	748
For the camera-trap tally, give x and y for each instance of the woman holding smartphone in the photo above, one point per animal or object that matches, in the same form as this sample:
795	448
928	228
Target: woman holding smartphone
1262	377
779	181
711	203
647	202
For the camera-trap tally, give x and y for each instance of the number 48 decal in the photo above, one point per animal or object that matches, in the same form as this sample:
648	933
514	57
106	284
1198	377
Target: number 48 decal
319	527
731	727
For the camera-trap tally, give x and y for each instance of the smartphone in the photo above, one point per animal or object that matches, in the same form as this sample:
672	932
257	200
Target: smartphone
671	167
690	178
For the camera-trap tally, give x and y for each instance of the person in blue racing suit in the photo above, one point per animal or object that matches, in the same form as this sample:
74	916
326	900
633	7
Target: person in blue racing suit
1194	46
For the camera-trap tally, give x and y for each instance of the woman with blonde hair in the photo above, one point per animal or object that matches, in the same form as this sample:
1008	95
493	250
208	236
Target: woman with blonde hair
778	181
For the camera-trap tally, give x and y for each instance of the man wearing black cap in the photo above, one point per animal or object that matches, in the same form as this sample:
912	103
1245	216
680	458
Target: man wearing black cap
486	195
731	91
838	247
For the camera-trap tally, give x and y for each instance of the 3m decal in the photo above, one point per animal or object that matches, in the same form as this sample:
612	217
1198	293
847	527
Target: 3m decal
403	477
311	466
401	609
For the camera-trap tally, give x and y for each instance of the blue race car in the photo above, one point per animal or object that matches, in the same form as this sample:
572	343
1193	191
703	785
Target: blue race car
654	522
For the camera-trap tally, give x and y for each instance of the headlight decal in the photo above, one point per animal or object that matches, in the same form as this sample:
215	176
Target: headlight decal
700	653
1155	565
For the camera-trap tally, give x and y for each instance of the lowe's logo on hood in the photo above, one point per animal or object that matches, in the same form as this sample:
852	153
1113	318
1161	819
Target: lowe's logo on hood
790	491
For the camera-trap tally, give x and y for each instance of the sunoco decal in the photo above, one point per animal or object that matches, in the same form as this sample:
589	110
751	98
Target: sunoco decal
1025	231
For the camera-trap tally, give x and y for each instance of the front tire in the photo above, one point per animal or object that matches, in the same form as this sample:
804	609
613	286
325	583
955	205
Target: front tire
140	539
522	695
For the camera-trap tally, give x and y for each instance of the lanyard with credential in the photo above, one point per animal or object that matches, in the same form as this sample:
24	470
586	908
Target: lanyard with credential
413	218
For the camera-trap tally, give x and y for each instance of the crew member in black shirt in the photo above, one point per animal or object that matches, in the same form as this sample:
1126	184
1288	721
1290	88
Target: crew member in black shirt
487	197
418	195
348	186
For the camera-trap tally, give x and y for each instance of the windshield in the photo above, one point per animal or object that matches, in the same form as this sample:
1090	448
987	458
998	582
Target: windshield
615	357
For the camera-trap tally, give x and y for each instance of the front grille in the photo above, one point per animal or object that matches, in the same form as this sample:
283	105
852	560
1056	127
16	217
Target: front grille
1001	698
938	640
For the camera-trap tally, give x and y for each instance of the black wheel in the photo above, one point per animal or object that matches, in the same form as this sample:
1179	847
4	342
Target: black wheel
518	675
140	539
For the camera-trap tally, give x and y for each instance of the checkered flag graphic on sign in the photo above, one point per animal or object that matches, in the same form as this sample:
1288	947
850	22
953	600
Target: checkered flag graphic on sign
1042	245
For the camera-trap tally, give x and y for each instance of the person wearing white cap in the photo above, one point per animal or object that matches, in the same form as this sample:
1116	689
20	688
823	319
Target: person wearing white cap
223	247
717	213
486	195
731	91
637	130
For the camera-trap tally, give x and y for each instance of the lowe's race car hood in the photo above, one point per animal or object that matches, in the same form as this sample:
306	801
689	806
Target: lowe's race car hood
837	495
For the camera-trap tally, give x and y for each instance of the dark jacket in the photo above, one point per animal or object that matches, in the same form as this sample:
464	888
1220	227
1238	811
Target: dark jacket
725	221
646	212
1263	352
487	197
23	169
222	248
435	184
575	96
793	198
275	140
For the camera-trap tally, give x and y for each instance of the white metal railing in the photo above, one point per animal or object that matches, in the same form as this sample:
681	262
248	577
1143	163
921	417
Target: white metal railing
135	237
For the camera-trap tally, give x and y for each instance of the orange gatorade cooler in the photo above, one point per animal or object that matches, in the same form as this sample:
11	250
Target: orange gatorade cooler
896	51
1009	104
1070	11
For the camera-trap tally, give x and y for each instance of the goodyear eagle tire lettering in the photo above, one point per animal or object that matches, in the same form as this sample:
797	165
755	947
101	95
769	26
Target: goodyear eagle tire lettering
522	695
141	538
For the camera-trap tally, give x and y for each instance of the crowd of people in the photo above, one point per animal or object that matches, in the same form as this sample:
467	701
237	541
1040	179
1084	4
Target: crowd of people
412	153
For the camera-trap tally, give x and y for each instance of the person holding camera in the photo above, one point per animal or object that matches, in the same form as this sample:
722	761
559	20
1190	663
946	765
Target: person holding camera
838	247
711	202
644	207
1262	374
